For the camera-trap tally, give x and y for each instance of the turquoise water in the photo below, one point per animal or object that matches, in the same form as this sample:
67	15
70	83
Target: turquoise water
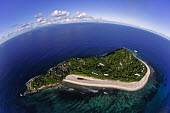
34	52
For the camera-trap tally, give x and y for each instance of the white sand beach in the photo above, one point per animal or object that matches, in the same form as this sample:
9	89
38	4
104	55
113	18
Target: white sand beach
128	86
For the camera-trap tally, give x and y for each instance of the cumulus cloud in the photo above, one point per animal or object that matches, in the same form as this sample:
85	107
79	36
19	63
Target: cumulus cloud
62	18
58	17
58	13
1	37
10	34
43	21
40	19
80	15
39	15
25	26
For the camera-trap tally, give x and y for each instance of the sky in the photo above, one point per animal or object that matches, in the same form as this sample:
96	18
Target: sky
152	14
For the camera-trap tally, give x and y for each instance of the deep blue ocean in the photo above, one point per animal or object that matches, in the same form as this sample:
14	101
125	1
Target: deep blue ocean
36	51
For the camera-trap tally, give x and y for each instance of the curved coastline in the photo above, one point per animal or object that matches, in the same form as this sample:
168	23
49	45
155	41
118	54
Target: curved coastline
30	90
93	82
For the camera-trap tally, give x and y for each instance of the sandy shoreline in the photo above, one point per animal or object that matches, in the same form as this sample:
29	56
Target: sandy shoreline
128	86
94	82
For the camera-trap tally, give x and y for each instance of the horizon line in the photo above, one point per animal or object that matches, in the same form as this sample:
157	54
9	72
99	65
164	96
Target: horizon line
92	21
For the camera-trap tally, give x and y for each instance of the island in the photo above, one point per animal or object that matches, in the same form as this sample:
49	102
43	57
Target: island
120	69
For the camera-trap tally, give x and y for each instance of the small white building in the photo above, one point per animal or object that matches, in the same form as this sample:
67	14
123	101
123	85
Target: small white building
94	73
105	93
106	74
137	74
100	64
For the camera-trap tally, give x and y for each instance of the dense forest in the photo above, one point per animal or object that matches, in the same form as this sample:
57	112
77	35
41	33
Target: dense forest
119	65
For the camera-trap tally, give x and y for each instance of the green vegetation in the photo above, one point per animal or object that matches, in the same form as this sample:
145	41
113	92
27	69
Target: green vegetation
50	78
118	65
